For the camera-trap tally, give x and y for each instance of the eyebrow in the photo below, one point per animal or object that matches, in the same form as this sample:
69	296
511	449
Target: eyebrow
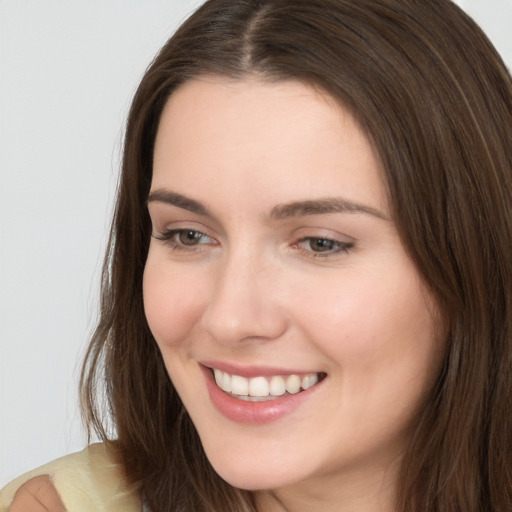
322	206
175	199
278	212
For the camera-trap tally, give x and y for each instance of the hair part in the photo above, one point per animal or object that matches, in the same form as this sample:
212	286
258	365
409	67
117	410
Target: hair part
435	100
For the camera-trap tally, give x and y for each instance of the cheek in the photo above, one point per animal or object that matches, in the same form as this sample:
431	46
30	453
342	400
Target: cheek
377	328
172	303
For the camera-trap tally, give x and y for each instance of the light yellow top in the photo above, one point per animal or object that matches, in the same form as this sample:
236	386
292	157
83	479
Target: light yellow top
87	481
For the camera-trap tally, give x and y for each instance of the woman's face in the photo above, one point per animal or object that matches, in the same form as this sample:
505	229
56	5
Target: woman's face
275	265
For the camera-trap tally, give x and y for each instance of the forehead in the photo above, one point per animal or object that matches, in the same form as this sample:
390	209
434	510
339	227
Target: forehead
206	101
275	139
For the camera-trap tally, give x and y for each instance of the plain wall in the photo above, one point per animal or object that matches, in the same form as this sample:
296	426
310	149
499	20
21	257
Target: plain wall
67	74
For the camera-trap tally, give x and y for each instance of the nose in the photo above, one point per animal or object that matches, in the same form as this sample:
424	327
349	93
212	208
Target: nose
245	303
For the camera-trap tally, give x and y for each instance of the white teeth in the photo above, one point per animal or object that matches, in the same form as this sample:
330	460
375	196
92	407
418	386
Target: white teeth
309	381
218	377
226	382
277	386
239	385
262	387
258	386
293	384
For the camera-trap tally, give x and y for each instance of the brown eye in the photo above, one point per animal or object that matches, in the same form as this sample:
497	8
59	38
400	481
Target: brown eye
323	244
184	238
189	237
312	246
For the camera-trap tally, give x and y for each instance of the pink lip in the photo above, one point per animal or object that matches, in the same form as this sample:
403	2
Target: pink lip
242	411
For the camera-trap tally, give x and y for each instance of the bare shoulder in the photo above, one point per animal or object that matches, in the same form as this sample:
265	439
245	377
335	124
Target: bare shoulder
37	495
92	479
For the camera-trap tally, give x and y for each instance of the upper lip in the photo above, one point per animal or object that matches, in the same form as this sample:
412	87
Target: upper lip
254	370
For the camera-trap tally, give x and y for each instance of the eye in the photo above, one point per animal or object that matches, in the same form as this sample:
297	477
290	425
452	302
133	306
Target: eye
189	237
323	246
184	238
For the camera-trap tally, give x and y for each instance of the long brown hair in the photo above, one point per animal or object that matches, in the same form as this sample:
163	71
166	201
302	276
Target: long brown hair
435	100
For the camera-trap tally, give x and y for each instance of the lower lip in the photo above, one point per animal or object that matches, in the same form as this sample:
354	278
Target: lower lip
242	411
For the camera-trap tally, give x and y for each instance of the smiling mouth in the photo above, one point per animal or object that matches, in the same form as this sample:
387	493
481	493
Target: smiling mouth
259	389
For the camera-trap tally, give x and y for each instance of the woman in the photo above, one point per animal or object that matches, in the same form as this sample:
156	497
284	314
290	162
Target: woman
312	240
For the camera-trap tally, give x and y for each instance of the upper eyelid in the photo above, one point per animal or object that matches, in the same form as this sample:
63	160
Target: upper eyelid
161	216
320	237
179	225
169	232
183	220
342	243
323	232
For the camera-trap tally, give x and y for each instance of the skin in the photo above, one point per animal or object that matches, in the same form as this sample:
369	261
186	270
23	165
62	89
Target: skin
254	289
37	495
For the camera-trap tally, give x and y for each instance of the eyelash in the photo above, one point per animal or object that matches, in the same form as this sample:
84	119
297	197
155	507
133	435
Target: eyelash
171	237
339	247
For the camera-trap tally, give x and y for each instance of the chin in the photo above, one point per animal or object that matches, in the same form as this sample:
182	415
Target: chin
250	481
251	474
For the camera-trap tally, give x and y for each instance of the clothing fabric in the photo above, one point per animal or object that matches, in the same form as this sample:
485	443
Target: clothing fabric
87	481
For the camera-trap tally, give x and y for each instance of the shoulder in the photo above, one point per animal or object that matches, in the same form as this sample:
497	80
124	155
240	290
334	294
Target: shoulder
86	481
